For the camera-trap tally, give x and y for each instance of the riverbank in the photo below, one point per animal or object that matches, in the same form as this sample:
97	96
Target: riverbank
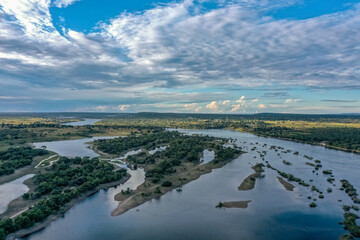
37	227
295	140
29	169
147	191
19	204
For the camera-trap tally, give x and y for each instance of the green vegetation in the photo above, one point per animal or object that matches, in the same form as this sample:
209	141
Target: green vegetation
289	176
250	181
181	148
346	237
350	190
327	172
176	165
220	205
350	223
336	131
312	205
18	134
346	208
15	158
65	180
340	134
286	162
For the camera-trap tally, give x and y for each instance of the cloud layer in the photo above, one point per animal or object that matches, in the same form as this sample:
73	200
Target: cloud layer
176	46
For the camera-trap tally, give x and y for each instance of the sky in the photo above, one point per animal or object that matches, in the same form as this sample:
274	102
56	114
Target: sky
191	56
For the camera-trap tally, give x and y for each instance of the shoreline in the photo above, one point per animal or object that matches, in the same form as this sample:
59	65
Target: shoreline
288	186
39	226
143	193
297	141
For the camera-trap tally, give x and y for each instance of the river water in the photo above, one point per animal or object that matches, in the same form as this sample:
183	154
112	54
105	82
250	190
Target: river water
12	190
87	121
273	212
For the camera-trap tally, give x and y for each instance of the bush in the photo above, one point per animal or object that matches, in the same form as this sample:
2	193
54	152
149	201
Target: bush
166	184
312	205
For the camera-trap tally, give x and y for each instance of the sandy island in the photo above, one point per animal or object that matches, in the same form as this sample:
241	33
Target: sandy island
249	182
236	204
288	186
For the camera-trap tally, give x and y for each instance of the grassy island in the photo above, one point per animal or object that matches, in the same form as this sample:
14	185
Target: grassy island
249	182
56	189
178	164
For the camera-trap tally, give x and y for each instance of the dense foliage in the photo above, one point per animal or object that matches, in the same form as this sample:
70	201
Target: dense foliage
59	184
15	158
180	149
340	137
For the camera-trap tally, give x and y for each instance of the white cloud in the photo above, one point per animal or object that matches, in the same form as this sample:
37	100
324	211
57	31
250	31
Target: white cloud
123	107
190	106
262	106
194	107
176	45
64	3
198	109
101	108
241	100
235	107
213	106
290	100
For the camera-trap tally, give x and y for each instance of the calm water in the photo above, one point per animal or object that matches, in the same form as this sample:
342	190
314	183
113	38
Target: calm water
273	212
71	148
12	190
88	121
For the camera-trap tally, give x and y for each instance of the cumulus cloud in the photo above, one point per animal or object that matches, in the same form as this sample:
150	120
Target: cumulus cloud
190	106
193	107
225	102
241	100
213	106
123	107
262	106
235	107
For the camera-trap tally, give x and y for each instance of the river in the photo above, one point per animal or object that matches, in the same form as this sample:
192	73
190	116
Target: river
273	212
87	121
12	190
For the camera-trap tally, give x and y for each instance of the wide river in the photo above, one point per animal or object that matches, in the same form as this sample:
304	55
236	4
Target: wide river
273	212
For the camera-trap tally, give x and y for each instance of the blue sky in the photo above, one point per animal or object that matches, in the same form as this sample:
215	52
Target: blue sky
206	56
